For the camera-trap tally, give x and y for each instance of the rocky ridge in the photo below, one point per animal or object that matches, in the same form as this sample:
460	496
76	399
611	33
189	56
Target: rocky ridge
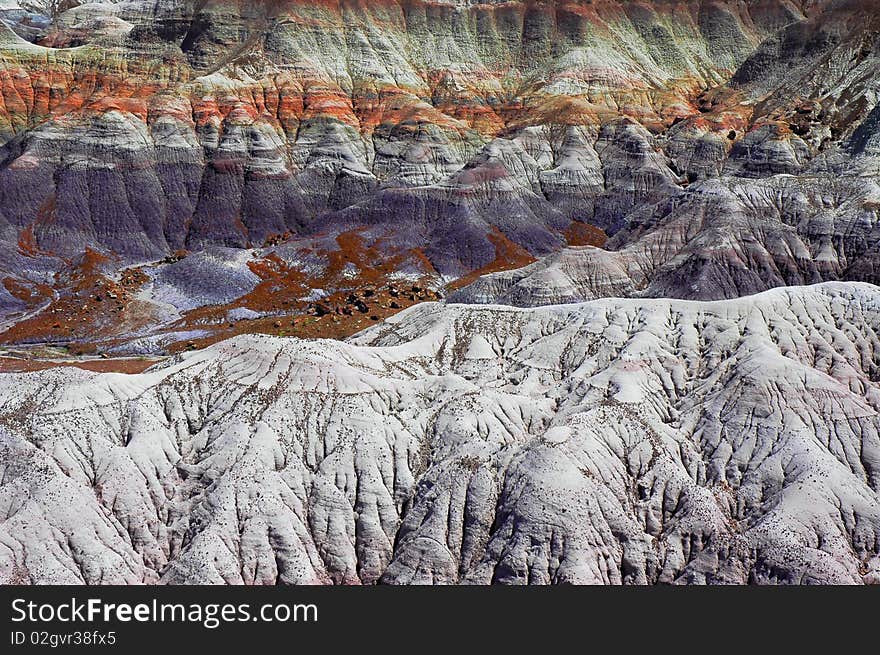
616	441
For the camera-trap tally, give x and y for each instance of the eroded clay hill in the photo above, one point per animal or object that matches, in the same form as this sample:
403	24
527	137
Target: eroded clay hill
260	139
617	441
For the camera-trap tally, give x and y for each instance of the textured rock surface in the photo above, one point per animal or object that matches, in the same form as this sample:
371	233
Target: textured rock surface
452	132
207	112
720	238
569	276
617	441
173	173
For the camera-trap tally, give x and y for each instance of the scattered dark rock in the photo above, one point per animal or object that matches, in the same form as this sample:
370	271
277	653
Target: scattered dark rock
320	309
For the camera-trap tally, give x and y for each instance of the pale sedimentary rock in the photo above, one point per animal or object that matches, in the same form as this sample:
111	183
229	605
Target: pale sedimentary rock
616	441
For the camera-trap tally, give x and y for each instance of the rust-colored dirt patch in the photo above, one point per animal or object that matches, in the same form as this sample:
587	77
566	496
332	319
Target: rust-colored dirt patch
508	255
128	366
361	290
584	234
93	307
30	293
89	305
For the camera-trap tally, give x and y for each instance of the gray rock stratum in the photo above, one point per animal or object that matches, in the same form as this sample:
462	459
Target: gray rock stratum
615	441
720	238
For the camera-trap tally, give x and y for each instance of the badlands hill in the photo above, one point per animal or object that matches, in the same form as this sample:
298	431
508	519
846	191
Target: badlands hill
615	441
283	147
601	277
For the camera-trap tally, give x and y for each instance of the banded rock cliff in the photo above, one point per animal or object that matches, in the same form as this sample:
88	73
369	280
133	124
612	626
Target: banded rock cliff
459	136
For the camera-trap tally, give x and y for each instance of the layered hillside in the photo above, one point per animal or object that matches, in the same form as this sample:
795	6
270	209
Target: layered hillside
455	138
721	238
600	276
609	442
226	122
